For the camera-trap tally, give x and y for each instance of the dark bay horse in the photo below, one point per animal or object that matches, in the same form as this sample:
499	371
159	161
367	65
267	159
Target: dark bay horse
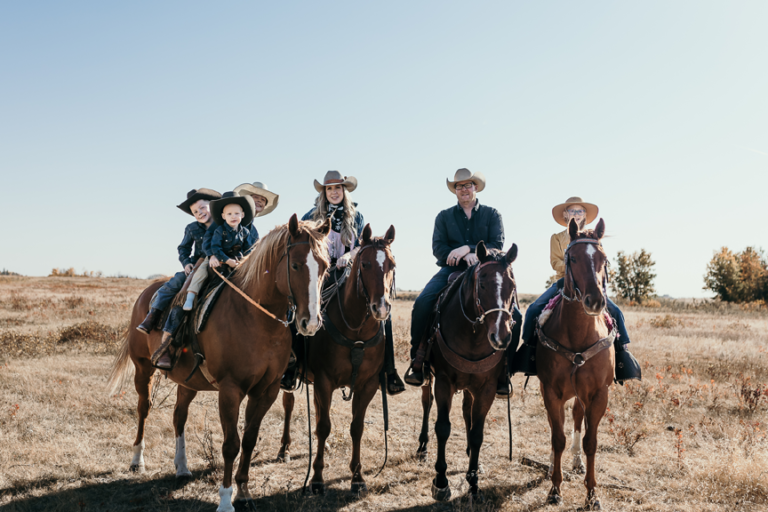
575	356
246	350
353	328
474	327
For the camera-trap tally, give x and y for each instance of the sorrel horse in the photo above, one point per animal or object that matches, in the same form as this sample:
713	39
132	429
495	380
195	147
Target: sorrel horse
352	335
246	350
575	356
473	328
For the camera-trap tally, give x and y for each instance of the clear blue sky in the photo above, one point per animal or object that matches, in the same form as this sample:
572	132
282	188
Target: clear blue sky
111	111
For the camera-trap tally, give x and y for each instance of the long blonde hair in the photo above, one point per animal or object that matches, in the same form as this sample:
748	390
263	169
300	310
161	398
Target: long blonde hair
348	229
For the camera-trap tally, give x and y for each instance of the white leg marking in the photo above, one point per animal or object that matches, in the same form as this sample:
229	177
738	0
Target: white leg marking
578	463
138	456
381	257
180	460
314	293
225	499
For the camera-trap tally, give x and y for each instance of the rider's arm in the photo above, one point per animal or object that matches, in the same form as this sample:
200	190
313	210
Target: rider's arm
440	247
216	245
556	255
185	247
495	232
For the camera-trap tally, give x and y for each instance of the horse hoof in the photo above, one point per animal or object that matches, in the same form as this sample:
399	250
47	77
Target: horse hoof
439	494
421	455
358	488
474	494
286	457
579	469
137	468
554	499
246	505
593	504
318	488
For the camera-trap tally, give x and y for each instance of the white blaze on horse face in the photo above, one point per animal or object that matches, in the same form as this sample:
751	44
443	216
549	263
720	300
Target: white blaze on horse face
381	257
314	295
180	460
499	302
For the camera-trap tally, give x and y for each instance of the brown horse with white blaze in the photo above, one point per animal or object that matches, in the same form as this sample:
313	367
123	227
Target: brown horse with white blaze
353	327
473	328
246	350
575	356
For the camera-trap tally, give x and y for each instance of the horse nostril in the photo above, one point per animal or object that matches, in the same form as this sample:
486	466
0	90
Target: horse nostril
304	323
375	308
588	301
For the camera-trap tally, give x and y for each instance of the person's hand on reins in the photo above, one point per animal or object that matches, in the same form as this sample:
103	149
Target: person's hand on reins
455	256
471	259
214	262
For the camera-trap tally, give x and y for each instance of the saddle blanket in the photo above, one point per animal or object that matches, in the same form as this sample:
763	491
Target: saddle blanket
556	300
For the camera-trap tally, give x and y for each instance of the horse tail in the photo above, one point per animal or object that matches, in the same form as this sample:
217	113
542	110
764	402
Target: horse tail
122	368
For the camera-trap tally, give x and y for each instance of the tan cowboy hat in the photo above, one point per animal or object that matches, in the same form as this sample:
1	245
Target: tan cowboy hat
557	211
261	189
245	202
335	178
466	175
195	195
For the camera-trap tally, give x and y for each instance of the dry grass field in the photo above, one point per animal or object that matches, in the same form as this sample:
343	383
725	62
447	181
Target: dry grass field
690	437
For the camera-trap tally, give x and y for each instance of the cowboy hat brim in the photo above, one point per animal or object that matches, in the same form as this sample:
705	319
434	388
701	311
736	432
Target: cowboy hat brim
349	182
557	211
247	189
477	178
245	202
202	193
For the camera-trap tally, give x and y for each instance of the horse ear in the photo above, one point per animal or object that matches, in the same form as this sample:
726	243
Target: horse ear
481	251
511	254
600	229
367	232
573	229
325	227
389	236
293	226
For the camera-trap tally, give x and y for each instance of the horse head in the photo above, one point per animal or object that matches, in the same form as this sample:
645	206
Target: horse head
374	267
301	270
586	268
494	293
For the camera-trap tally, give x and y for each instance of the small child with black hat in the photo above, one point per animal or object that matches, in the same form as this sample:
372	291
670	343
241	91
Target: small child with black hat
231	240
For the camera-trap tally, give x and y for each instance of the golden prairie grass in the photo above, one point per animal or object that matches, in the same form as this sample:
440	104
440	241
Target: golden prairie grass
690	437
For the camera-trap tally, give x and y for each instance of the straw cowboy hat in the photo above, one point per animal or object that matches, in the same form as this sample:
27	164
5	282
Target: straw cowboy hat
335	178
557	211
466	175
195	195
261	189
245	202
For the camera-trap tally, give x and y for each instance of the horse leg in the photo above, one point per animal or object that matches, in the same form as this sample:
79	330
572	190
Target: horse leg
466	410
323	397
184	397
441	491
285	444
426	405
360	403
480	407
143	383
595	412
578	417
230	398
556	412
257	407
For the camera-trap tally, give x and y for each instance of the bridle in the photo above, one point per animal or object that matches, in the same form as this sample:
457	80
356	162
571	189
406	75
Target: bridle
365	292
578	296
481	312
291	315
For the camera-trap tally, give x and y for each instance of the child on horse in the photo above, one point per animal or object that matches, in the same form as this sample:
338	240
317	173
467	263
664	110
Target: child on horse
231	239
457	232
524	361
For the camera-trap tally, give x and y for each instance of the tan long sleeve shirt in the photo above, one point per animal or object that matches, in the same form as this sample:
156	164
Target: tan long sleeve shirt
557	246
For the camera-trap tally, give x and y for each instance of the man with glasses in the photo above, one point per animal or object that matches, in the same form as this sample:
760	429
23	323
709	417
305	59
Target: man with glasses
524	361
457	232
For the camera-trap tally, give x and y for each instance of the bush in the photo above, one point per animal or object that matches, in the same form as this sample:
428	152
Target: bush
738	277
633	279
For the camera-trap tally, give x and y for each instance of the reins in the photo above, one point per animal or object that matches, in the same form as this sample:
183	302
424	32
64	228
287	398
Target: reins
482	313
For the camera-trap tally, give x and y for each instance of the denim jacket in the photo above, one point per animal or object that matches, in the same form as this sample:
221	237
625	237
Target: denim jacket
193	234
229	243
253	237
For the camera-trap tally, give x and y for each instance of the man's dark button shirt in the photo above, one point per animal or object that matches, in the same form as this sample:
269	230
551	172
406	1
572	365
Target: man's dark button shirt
453	229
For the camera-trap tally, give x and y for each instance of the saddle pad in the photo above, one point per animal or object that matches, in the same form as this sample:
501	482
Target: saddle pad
556	300
203	311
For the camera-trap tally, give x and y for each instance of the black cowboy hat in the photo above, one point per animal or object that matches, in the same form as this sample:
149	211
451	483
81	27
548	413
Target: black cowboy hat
195	195
245	202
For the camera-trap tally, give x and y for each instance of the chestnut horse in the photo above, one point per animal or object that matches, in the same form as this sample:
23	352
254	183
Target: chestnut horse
246	350
575	356
353	327
474	327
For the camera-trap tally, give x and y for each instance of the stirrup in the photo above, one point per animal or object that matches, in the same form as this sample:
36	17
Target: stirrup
414	378
290	379
395	386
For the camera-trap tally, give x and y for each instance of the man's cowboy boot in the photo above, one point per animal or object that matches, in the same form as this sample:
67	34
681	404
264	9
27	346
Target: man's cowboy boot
395	386
165	361
150	321
627	367
290	379
524	360
503	385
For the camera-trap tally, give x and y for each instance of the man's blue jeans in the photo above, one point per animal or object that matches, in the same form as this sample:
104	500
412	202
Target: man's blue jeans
535	309
168	291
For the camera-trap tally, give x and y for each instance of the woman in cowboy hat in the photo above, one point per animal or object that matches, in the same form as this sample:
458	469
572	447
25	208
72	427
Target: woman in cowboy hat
524	361
347	223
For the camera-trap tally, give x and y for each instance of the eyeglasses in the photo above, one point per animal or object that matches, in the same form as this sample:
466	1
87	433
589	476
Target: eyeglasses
577	212
465	186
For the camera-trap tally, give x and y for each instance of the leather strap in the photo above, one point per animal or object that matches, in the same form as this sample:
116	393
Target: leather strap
577	358
465	365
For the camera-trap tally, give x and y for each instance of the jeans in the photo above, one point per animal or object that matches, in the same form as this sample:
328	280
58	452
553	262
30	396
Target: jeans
424	304
535	309
168	291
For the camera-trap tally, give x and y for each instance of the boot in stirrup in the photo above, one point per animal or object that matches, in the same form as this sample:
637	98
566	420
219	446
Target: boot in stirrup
150	321
627	367
524	360
165	361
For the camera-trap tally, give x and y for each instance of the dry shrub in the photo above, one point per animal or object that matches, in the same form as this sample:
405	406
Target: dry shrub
89	334
90	330
651	303
666	322
727	477
18	302
71	272
74	301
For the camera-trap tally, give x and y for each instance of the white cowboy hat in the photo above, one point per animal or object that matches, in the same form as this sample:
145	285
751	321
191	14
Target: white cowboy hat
557	211
335	178
466	175
261	189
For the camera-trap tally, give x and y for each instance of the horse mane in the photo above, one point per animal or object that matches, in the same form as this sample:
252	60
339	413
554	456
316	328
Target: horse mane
268	250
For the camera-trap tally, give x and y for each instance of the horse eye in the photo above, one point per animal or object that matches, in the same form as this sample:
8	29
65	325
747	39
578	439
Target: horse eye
295	266
366	264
